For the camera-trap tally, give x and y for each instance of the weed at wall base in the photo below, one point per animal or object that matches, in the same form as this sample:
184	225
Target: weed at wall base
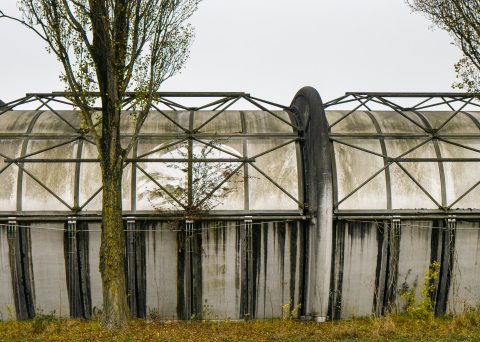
424	307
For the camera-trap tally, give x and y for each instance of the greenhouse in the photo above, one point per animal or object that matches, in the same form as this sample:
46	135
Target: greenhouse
337	206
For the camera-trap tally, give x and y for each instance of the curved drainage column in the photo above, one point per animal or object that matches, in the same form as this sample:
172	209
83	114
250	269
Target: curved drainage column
308	107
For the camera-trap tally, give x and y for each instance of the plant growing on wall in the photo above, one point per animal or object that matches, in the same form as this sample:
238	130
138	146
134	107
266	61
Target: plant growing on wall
192	189
112	47
424	307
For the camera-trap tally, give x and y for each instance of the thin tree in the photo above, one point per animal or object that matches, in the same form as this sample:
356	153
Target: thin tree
111	47
461	19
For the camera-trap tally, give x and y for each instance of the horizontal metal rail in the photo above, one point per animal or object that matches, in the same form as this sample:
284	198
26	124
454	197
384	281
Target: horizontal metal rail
232	136
150	217
427	160
382	135
155	94
135	160
405	217
410	94
403	136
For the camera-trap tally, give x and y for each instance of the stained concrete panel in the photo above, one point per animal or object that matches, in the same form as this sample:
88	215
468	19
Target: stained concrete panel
221	270
414	256
464	285
93	253
48	261
7	301
161	269
359	270
273	269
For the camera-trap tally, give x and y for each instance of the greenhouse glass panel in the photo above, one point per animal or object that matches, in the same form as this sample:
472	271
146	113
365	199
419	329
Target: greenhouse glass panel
16	121
264	122
392	122
90	180
356	122
159	122
8	177
49	122
215	122
354	167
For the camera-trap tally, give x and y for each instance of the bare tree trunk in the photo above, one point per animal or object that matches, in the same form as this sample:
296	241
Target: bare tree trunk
112	252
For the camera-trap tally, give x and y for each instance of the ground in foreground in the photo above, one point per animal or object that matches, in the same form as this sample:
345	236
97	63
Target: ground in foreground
392	327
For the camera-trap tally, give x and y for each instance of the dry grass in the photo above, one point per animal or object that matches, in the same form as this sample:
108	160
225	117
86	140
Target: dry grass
391	327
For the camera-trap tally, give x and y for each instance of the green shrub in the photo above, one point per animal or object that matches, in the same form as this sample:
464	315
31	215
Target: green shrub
424	307
41	320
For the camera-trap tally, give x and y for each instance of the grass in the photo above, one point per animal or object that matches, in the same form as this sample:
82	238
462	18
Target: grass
393	327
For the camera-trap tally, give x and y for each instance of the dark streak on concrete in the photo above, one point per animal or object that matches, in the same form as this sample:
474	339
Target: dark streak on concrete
197	256
336	282
380	271
395	235
257	266
293	229
140	271
181	275
446	268
265	263
22	272
281	247
77	270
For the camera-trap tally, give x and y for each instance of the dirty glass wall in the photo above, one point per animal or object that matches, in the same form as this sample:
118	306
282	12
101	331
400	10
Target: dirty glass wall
50	201
38	183
365	183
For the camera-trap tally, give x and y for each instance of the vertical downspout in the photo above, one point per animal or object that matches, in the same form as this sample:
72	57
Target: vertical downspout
308	107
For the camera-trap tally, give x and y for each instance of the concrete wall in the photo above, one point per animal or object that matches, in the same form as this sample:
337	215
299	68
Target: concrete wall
373	261
221	270
226	269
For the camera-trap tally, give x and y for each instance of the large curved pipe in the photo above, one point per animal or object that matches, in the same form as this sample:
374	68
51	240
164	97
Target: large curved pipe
308	107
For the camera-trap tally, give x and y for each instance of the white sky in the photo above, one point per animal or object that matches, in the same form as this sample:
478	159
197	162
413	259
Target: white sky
272	48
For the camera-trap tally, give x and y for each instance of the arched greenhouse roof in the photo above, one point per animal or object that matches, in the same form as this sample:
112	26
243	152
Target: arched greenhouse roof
375	157
50	165
399	158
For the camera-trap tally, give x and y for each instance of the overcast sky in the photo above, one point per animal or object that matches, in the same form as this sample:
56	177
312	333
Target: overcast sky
272	48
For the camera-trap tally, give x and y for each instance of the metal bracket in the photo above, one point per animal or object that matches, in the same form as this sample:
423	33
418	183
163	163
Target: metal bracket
12	227
451	219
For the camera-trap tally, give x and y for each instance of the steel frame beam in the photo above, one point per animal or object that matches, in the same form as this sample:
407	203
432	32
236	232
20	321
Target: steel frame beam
455	102
223	101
